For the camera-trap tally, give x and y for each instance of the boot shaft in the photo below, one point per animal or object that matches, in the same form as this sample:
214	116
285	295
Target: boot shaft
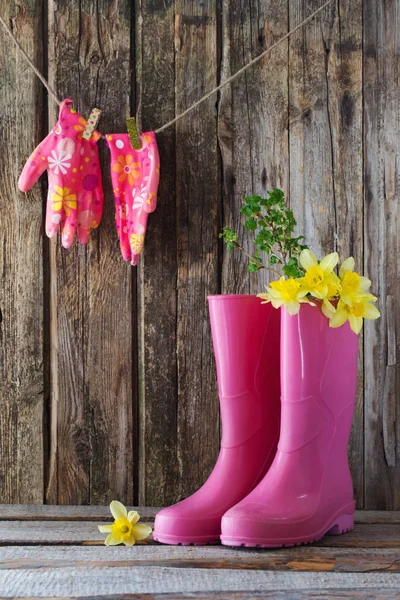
318	382
246	345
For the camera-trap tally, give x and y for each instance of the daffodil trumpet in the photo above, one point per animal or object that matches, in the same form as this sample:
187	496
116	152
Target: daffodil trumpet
341	298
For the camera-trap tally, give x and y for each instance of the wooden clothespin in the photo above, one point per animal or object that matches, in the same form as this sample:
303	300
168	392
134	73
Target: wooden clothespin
134	134
91	123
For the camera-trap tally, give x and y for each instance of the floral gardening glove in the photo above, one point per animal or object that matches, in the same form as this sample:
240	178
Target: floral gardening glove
135	175
75	197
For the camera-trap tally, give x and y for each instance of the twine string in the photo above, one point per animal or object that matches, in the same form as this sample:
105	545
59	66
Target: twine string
203	98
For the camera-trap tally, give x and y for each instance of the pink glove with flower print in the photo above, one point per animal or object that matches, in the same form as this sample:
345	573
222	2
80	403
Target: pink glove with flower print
135	175
75	196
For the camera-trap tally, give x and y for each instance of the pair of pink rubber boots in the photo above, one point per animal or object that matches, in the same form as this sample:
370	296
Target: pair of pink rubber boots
287	388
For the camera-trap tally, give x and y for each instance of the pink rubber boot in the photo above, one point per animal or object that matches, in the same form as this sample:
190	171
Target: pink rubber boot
308	491
246	341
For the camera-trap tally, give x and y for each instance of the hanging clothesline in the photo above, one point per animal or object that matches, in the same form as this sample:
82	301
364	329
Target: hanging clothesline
203	98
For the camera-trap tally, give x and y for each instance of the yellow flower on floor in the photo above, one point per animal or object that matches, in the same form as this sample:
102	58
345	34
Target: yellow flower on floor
125	529
128	169
318	276
287	293
361	309
352	284
63	199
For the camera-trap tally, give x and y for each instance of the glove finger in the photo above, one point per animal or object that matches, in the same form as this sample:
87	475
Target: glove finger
54	215
136	241
122	222
97	207
69	224
84	226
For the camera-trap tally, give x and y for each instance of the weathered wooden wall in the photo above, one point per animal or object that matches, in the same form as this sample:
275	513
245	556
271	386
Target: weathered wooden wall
108	380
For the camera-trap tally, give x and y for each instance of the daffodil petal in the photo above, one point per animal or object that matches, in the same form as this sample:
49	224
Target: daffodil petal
133	516
141	531
105	528
118	510
292	307
264	297
356	323
277	303
365	283
329	262
338	319
328	309
348	265
129	541
371	312
308	259
111	540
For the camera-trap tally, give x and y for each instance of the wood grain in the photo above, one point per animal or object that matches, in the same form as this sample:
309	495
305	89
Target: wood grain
22	360
91	288
381	200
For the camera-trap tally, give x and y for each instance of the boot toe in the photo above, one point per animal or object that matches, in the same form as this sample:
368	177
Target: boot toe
178	527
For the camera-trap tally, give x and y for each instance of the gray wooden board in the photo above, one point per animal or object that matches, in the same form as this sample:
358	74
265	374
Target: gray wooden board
75	532
33	512
73	581
299	559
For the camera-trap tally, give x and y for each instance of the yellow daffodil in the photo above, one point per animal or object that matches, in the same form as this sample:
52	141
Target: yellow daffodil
352	284
287	293
318	276
361	309
334	289
125	529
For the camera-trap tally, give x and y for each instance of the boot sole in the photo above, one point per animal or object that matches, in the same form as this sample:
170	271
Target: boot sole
340	525
179	541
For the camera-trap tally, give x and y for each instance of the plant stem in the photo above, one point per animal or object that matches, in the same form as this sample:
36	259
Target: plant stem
262	266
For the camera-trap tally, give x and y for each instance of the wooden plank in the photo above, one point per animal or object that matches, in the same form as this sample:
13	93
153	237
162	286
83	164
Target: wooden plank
157	272
381	201
310	559
77	532
22	360
178	406
340	594
197	211
124	580
326	151
252	123
47	512
91	332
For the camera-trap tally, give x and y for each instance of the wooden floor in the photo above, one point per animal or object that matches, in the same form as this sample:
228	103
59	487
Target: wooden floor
49	552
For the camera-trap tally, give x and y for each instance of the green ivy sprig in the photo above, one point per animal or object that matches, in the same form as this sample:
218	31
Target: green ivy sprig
273	226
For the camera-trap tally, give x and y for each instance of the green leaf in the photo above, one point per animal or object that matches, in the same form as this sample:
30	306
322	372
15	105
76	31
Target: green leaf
253	266
250	224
